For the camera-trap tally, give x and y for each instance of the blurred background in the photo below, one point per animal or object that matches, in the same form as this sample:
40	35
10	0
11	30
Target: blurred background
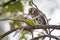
51	8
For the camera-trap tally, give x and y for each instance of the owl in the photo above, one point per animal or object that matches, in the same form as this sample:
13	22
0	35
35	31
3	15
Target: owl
38	17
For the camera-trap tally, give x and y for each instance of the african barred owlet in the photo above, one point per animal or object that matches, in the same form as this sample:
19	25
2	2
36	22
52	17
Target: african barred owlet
38	17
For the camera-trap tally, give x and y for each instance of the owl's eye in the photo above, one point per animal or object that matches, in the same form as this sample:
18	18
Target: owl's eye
36	18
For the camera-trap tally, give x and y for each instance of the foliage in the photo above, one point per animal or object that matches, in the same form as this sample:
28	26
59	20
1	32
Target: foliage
13	8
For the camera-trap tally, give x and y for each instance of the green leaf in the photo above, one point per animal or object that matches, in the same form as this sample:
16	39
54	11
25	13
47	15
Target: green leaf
21	17
10	8
12	25
30	22
19	6
19	24
30	3
23	35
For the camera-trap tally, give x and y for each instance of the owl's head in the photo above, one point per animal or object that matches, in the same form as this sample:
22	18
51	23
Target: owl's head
33	12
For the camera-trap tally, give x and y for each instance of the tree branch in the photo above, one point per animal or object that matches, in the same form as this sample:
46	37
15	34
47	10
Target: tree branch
7	3
46	36
34	4
15	20
28	28
35	26
47	27
7	33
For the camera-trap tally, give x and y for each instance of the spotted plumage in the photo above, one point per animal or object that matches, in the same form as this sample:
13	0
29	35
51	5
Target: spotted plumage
38	17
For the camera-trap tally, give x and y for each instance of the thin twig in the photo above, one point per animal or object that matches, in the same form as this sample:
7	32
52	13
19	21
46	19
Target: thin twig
52	36
32	34
34	4
7	3
15	20
51	31
5	34
49	34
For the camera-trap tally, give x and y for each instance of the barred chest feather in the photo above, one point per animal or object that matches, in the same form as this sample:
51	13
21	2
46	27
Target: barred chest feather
38	17
40	20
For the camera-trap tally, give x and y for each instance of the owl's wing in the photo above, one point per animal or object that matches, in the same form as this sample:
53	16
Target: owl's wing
43	17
